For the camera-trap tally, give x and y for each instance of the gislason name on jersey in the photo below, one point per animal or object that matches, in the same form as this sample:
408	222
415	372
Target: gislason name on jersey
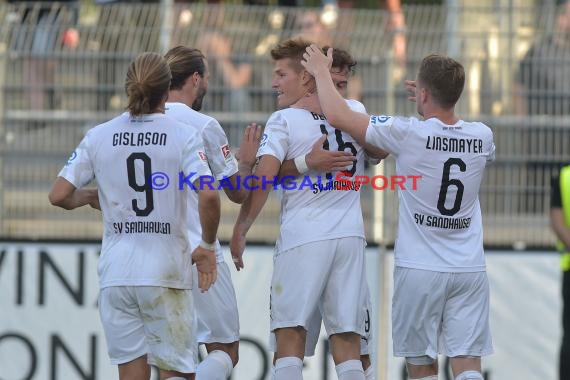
454	145
139	139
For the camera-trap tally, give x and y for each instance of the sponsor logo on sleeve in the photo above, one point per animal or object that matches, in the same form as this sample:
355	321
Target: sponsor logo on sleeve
226	151
264	139
380	120
202	155
71	158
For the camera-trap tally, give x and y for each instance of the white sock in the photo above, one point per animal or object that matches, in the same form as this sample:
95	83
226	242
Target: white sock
469	375
432	377
216	366
176	378
272	371
369	373
350	370
289	368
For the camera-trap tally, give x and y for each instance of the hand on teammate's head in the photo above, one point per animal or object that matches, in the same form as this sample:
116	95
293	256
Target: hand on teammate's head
314	59
411	89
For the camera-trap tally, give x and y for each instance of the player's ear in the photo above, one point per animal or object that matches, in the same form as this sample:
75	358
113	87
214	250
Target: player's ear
424	94
306	77
195	79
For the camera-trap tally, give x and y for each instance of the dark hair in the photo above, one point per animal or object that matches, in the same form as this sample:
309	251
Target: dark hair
341	59
184	62
292	48
147	83
444	77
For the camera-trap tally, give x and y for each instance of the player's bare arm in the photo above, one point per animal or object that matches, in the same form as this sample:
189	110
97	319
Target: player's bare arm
266	170
559	226
65	195
319	159
94	203
375	152
246	156
333	105
204	256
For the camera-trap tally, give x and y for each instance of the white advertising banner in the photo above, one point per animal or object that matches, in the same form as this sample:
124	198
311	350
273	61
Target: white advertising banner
525	318
50	329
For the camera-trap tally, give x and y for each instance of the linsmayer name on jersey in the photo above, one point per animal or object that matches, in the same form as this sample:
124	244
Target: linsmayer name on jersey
381	120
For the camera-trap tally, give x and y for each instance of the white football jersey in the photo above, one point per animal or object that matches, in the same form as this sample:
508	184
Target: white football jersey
144	168
440	226
221	160
314	207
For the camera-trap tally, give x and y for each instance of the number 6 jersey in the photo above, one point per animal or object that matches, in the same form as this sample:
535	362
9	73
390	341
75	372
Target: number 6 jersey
440	226
144	167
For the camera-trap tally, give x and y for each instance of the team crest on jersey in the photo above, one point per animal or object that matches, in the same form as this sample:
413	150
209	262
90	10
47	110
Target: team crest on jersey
202	155
380	120
71	158
263	140
226	151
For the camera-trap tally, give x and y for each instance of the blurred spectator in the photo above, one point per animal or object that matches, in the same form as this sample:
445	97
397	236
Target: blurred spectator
231	71
543	82
327	28
235	73
542	87
312	28
130	26
560	222
395	26
43	28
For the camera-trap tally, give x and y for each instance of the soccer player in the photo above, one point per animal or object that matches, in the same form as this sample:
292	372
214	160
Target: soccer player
321	241
145	273
216	310
322	160
441	290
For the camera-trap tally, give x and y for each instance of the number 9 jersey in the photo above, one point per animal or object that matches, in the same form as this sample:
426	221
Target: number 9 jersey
144	168
440	226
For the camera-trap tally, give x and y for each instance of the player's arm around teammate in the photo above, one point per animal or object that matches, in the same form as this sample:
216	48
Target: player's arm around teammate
144	266
464	343
65	195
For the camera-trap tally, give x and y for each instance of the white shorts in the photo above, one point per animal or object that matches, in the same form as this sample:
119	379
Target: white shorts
216	310
325	275
436	312
314	331
152	321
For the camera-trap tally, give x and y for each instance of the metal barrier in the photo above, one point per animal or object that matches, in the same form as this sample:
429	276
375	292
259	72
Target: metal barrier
54	87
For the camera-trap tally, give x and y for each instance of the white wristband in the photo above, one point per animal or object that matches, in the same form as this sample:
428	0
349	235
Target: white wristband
301	164
208	246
